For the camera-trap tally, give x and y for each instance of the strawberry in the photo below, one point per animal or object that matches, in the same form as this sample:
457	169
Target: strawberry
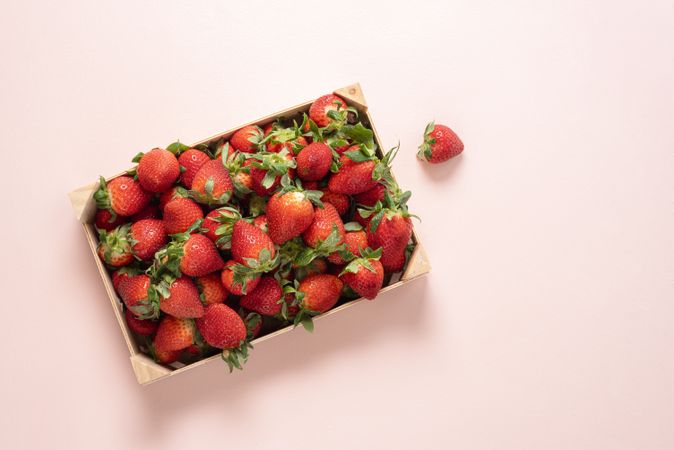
319	109
268	168
253	323
121	196
134	289
171	194
365	275
114	247
355	239
313	161
247	139
147	236
316	294
183	300
212	184
360	170
104	220
440	144
372	196
278	138
265	298
157	170
237	288
222	327
180	214
151	211
218	226
250	243
200	256
239	171
190	163
138	326
341	202
174	334
325	220
211	289
166	356
262	223
290	212
391	234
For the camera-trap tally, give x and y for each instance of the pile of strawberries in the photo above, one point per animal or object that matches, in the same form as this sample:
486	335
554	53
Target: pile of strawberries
211	246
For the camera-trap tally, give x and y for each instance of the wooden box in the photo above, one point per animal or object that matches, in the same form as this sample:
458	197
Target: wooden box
148	371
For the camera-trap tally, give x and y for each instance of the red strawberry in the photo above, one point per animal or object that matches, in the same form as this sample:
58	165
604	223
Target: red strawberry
212	184
440	144
123	196
174	334
289	214
325	220
253	323
218	225
191	161
200	256
180	214
138	326
147	237
391	235
293	146
133	289
221	327
157	170
310	185
371	197
313	161
264	299
183	300
262	223
353	177
211	289
341	202
166	357
114	247
318	112
365	275
355	240
151	211
227	278
104	220
249	242
171	194
320	292
246	139
268	168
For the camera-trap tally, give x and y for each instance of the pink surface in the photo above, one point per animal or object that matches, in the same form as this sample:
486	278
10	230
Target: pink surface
547	322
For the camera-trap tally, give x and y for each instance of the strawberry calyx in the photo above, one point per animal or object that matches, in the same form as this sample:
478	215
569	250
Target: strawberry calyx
304	316
102	198
254	267
252	321
274	164
257	205
395	202
288	185
323	249
227	217
257	137
367	255
281	135
178	147
235	165
425	149
340	117
115	242
236	357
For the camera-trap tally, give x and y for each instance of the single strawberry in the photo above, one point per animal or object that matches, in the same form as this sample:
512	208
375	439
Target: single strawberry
114	247
265	298
238	287
391	235
360	170
157	170
316	294
440	144
138	326
247	139
104	220
171	194
222	327
355	239
325	220
371	197
267	169
239	171
218	226
262	223
183	300
200	256
180	214
212	184
174	334
253	323
134	289
151	211
211	289
313	161
121	196
290	212
249	243
279	138
365	275
147	236
341	202
190	162
319	109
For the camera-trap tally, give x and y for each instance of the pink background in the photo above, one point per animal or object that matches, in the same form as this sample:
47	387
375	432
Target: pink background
547	322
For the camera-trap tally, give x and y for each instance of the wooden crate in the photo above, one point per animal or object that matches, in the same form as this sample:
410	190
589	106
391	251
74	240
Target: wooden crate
147	371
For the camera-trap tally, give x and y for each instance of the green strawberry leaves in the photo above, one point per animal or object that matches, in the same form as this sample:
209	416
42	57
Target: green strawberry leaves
177	148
